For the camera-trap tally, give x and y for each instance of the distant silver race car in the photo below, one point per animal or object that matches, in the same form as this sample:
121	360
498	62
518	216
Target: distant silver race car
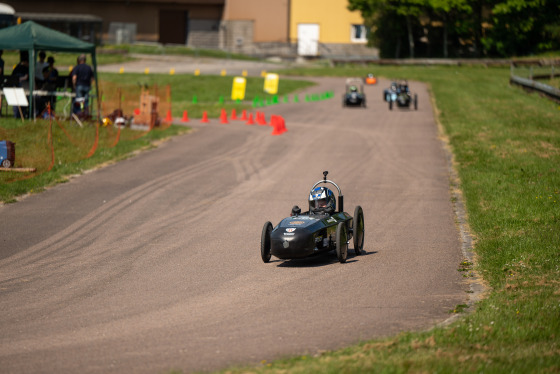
400	94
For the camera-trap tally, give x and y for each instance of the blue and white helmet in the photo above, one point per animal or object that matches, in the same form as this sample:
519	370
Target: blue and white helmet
321	199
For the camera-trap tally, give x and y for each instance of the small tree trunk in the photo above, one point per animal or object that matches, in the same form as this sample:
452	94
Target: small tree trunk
410	37
445	52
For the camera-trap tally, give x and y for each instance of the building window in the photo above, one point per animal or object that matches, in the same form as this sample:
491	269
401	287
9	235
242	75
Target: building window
358	34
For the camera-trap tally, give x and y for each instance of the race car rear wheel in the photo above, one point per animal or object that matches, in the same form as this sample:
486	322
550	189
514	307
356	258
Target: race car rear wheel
358	230
265	242
341	242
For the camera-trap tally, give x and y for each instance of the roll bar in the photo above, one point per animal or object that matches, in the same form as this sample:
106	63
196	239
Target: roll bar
326	181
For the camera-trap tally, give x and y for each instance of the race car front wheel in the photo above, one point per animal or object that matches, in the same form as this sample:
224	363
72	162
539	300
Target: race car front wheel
265	242
341	242
358	230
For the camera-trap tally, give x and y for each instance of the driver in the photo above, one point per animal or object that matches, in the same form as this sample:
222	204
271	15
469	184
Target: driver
353	89
322	200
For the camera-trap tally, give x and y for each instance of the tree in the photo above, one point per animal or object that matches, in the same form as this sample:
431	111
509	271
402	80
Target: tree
445	9
410	10
475	27
523	27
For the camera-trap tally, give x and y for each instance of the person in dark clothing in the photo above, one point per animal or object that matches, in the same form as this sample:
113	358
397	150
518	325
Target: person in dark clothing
1	76
82	78
21	74
50	77
1	63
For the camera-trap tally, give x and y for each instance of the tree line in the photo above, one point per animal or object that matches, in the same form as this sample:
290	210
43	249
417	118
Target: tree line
461	28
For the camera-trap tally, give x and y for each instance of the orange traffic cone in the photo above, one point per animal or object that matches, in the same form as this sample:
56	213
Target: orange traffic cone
261	119
282	125
233	114
274	123
204	117
168	116
185	116
279	125
244	115
250	120
223	117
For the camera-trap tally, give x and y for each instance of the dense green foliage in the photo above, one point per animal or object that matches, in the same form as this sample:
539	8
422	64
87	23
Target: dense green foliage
461	28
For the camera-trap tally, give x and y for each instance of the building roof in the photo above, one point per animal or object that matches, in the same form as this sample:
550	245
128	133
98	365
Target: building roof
30	35
45	17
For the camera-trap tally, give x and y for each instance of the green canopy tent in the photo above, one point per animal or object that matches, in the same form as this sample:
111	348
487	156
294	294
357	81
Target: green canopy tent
32	37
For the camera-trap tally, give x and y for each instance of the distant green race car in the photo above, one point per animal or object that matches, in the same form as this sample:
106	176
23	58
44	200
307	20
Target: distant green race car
354	95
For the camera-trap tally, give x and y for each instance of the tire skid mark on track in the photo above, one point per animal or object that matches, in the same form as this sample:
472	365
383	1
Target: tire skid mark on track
115	206
172	259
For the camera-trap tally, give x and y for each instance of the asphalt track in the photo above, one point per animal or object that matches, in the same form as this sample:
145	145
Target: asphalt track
153	263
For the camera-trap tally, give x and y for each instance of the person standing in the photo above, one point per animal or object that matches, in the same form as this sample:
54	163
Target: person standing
1	76
21	76
39	66
82	78
50	78
1	64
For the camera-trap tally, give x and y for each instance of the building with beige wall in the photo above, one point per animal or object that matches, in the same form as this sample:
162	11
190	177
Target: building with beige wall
327	27
257	27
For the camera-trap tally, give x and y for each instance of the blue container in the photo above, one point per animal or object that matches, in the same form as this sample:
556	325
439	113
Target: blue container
7	153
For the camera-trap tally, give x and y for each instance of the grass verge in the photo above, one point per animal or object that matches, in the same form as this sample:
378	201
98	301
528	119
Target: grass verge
158	49
197	94
506	145
72	145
